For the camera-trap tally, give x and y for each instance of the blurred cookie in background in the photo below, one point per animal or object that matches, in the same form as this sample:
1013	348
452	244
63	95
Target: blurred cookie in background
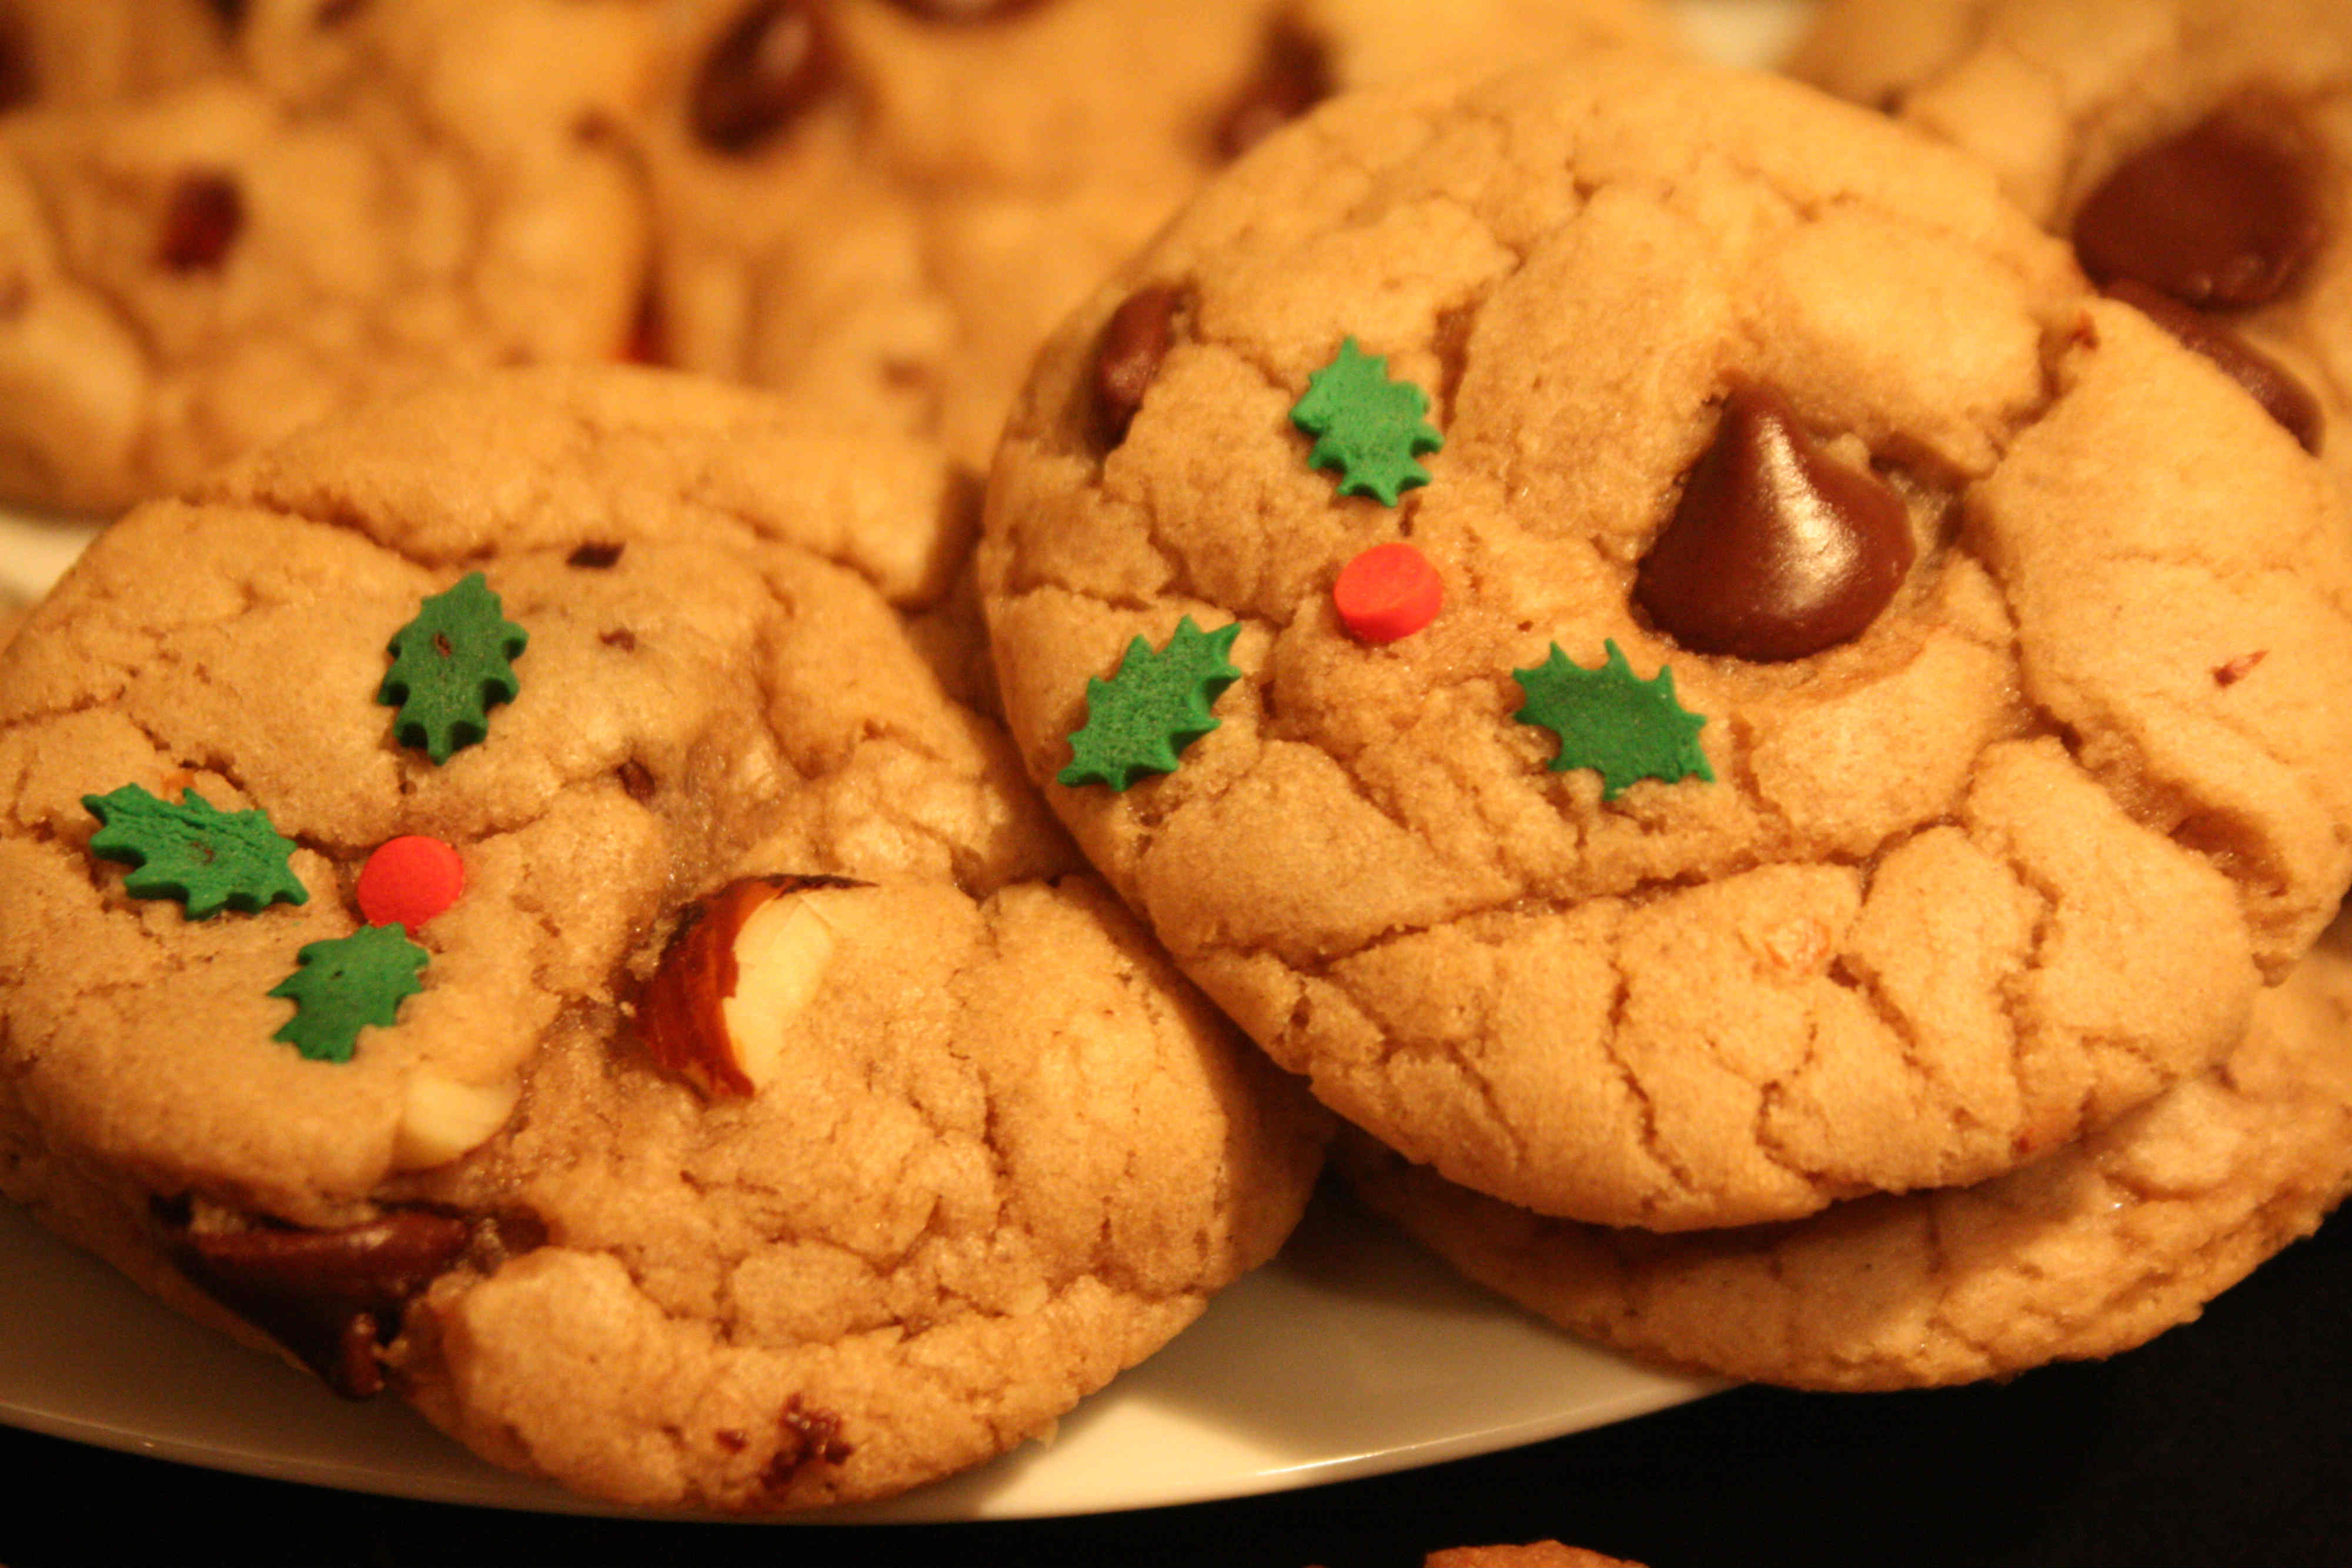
329	200
888	203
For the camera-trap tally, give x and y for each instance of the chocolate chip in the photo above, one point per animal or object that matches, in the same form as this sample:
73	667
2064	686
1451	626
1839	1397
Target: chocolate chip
805	1438
964	10
636	780
328	1296
231	14
203	220
2239	668
1294	75
2283	398
596	557
620	637
17	81
764	73
507	1233
2225	214
1776	550
648	339
1128	354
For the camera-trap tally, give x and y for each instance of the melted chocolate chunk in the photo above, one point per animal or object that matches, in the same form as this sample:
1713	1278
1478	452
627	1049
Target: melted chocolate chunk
19	82
965	10
762	74
1128	354
596	557
206	215
648	339
2224	214
328	1296
1776	552
1294	75
2283	398
636	780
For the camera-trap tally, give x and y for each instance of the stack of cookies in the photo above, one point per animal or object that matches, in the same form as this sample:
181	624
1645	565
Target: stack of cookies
1654	638
1768	747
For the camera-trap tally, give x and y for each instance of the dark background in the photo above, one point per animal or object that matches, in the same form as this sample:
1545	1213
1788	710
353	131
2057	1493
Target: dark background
2229	1441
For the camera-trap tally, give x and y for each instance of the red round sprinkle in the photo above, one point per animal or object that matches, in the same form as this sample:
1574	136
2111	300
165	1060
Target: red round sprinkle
410	880
1389	591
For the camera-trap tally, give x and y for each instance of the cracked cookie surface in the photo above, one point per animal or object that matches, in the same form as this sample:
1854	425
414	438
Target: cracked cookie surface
2062	97
1002	1150
347	201
890	204
2006	862
2091	1252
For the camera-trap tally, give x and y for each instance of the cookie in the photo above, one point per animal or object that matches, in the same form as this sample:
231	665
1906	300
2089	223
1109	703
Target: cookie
2197	152
1535	1554
715	1082
1853	740
888	203
359	198
2094	1250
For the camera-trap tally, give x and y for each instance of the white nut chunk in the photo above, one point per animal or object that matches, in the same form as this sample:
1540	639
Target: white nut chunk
741	967
442	1119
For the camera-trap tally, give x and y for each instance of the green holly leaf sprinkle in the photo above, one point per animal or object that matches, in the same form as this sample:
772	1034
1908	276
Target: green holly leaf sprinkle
448	666
1612	721
1140	720
208	859
345	984
1366	425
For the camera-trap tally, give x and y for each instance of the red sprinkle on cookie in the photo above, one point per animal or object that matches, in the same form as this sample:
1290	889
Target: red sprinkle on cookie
409	880
1388	593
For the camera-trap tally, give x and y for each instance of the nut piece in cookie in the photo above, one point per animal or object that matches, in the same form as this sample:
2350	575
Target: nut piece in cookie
661	1034
1838	762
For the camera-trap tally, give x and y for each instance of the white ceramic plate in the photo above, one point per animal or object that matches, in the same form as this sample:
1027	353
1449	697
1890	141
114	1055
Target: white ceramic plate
1350	1354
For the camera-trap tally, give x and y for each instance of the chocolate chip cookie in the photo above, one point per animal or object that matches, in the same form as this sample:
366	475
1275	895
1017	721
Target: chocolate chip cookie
353	198
2197	153
1649	632
888	203
2094	1250
511	897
